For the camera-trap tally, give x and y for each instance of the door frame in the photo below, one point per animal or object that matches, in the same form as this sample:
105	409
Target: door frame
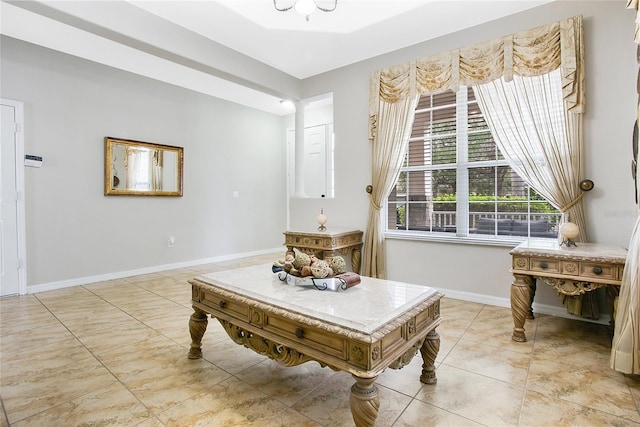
20	189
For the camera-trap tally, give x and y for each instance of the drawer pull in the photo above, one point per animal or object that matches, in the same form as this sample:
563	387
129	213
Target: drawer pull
299	332
222	304
597	270
544	264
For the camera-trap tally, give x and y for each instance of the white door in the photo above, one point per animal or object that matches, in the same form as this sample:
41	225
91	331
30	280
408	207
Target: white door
315	161
12	272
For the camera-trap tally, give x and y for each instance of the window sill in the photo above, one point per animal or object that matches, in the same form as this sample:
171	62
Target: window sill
507	241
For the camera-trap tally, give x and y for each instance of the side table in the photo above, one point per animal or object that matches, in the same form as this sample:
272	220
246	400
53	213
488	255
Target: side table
570	271
332	241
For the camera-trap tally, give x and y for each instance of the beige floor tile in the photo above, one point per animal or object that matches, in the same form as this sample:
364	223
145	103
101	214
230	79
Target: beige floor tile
446	345
3	418
136	331
159	390
117	292
21	309
34	336
494	327
477	397
230	356
633	381
143	278
113	405
542	410
26	395
504	365
91	324
155	352
453	327
120	334
23	360
405	380
285	384
583	381
227	403
153	421
422	414
19	324
287	418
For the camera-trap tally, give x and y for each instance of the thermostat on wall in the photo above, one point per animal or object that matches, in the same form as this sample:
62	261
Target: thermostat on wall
33	161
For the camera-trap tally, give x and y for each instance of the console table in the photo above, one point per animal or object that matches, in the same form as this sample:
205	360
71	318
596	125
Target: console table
363	330
570	271
333	241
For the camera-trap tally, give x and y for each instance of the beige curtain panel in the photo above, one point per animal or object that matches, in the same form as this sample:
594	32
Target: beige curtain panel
396	120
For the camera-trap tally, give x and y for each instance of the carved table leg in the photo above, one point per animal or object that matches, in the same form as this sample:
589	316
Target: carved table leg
356	259
197	327
429	352
522	292
613	292
364	401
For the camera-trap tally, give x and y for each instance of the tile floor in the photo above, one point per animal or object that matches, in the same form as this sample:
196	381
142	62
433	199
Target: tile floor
94	355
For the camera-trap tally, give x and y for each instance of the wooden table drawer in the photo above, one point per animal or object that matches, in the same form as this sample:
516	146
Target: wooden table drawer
543	264
316	338
219	303
597	270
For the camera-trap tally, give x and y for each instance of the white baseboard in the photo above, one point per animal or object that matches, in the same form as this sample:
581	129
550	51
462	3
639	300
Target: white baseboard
42	287
551	310
449	293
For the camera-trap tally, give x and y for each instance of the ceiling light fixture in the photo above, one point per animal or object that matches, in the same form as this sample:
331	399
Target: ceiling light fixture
306	7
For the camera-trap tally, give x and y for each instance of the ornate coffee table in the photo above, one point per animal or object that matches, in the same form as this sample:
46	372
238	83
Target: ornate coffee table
375	325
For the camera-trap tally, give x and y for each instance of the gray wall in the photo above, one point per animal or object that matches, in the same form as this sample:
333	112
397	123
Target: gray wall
482	272
75	232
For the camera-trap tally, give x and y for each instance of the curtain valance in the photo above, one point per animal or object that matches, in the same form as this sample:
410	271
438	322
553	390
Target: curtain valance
528	53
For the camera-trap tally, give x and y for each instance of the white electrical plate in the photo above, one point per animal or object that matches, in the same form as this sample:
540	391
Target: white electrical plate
33	161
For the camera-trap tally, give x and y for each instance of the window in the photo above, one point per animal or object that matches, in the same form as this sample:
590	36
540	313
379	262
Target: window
455	180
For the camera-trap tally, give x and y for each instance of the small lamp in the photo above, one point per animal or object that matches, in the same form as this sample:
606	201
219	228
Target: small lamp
322	220
569	231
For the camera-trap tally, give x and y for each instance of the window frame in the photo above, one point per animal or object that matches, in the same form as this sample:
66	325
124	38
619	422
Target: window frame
462	166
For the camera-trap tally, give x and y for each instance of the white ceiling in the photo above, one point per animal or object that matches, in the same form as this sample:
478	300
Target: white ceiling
284	41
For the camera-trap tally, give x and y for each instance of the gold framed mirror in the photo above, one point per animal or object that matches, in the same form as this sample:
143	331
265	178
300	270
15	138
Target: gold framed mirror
136	168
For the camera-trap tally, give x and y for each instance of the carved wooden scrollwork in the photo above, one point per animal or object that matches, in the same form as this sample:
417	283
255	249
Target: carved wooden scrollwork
571	287
408	355
273	350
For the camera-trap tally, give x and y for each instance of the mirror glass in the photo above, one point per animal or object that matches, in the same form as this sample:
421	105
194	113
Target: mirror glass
136	168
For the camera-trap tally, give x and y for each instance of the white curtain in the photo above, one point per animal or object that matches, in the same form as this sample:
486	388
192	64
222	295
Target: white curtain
541	140
132	166
388	150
